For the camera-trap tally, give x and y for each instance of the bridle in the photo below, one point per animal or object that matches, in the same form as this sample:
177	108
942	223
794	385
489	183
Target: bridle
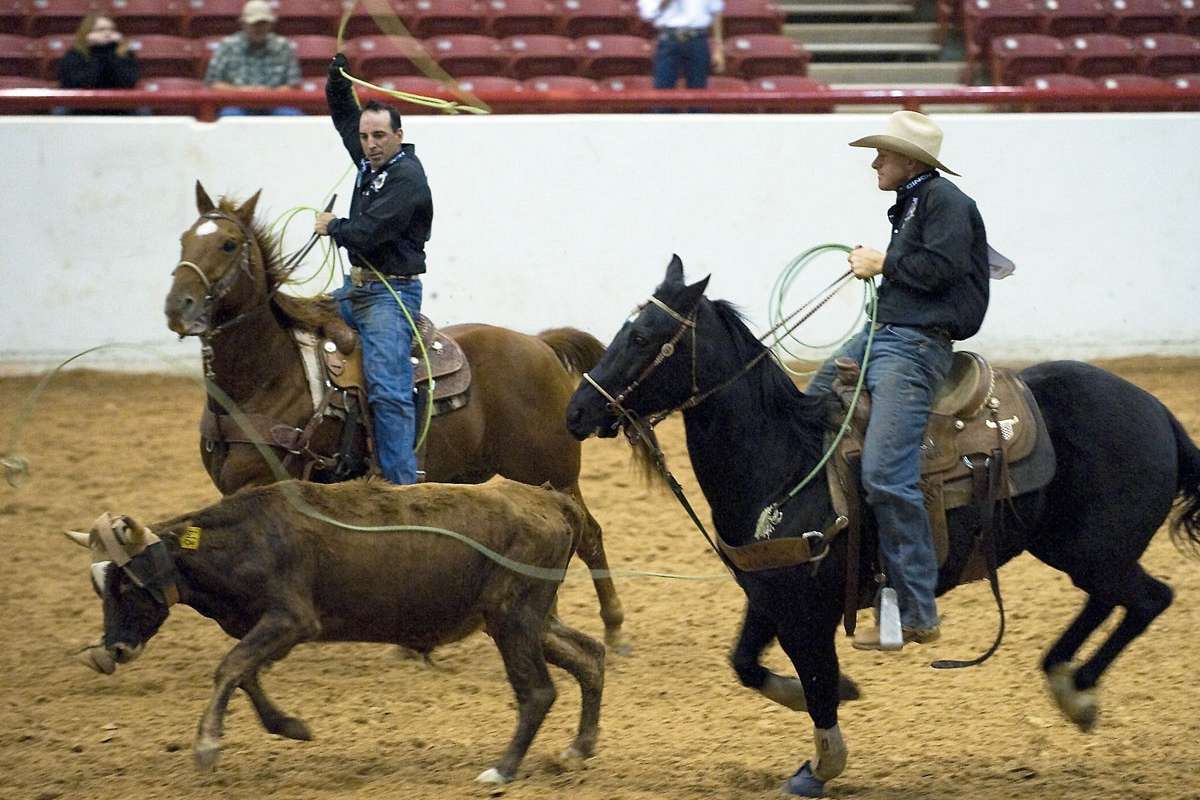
688	323
216	290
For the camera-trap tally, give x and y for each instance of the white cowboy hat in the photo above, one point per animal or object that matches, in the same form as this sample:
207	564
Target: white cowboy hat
257	11
911	134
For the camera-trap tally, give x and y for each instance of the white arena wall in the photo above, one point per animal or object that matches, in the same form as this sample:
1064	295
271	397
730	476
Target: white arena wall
570	220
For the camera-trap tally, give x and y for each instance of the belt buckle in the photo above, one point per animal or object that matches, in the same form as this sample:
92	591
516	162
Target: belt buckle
356	276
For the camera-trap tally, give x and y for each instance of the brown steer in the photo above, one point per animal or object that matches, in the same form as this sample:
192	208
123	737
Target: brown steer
272	568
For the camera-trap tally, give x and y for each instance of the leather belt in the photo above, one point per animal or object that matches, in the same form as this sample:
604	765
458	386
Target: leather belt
682	34
361	275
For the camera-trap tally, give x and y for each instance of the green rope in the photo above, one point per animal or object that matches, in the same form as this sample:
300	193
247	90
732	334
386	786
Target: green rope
778	297
17	468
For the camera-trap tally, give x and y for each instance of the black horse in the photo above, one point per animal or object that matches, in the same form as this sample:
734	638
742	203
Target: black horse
1123	461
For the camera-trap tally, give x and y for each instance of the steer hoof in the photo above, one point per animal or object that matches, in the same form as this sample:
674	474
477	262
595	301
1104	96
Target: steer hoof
804	783
206	752
1081	706
294	728
492	776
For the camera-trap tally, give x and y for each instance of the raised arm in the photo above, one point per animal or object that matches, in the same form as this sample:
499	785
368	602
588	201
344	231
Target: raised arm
343	108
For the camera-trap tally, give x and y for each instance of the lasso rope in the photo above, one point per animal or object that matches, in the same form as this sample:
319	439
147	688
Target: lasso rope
391	25
17	471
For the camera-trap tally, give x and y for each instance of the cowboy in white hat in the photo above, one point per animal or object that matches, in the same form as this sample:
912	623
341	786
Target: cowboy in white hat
934	290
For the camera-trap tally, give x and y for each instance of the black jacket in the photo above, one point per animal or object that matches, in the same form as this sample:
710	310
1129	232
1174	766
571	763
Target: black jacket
935	274
391	212
102	68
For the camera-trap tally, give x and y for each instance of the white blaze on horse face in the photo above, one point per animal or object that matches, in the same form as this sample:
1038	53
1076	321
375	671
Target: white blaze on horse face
205	228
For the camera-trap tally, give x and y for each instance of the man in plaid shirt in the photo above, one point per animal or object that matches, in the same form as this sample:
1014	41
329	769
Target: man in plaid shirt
254	59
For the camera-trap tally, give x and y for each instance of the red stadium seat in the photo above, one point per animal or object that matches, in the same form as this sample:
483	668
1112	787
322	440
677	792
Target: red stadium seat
468	54
984	20
518	17
1093	54
384	55
1122	83
306	17
1017	57
416	84
763	54
167	56
788	83
314	53
627	83
1188	17
50	50
1165	54
20	56
313	84
58	16
1131	17
561	83
208	18
596	18
490	83
792	83
363	20
1061	81
726	83
741	17
615	54
1070	17
14	14
536	55
445	17
134	17
22	82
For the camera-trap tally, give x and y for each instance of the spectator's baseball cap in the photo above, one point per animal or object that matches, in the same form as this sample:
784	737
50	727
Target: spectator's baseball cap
257	11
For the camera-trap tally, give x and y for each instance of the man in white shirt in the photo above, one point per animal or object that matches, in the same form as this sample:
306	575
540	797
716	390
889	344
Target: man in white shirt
683	40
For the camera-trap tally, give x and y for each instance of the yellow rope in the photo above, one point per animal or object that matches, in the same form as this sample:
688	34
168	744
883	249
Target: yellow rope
391	25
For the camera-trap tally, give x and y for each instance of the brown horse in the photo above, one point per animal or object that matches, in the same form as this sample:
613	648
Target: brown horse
225	290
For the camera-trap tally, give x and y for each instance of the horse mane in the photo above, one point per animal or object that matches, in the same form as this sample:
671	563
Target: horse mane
780	398
306	313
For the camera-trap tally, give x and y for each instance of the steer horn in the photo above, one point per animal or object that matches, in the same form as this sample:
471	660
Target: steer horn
81	539
96	657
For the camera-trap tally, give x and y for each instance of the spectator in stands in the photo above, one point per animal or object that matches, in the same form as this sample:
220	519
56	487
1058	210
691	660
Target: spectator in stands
100	58
934	290
683	40
391	216
255	58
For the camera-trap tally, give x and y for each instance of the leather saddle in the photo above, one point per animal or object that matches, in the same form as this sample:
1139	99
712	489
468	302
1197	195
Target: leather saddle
979	413
447	368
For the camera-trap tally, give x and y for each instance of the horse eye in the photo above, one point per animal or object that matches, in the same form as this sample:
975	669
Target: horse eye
229	246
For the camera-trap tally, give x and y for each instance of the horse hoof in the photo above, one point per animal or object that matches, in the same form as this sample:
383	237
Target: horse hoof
492	776
617	644
206	752
570	760
1081	706
294	728
804	783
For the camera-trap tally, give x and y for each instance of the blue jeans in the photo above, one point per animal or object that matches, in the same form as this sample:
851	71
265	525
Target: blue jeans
386	340
904	370
672	56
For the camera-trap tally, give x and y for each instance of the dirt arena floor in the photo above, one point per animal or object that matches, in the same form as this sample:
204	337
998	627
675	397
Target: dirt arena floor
675	722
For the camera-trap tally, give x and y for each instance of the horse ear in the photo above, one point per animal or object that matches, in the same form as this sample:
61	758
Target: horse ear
245	211
692	294
674	271
204	203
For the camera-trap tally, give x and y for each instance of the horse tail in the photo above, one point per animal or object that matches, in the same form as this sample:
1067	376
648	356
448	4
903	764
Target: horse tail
578	351
1185	531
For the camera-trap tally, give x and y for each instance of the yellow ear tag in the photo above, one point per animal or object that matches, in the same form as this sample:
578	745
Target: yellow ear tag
190	539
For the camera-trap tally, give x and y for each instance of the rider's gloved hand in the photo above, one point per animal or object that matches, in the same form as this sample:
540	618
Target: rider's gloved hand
338	63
